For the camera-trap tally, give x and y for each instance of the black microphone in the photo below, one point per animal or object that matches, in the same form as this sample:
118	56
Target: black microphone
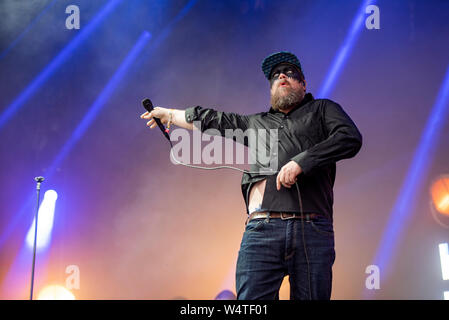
148	105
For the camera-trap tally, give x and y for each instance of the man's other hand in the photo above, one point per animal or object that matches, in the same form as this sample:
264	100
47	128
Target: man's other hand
288	175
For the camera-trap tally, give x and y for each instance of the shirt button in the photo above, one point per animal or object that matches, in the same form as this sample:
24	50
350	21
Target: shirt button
281	127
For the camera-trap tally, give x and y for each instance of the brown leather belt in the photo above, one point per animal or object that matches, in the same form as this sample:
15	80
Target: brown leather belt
282	215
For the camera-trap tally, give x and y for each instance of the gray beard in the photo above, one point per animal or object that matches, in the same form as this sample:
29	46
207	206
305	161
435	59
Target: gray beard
286	102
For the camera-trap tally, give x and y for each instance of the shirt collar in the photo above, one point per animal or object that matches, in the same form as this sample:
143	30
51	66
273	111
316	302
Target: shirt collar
308	97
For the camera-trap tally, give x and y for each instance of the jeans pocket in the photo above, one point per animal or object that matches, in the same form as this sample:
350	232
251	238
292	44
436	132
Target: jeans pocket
323	226
255	225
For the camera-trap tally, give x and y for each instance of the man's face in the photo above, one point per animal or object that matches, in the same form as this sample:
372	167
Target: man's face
287	86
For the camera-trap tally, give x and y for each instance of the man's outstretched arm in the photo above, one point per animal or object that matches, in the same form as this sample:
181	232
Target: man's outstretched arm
208	119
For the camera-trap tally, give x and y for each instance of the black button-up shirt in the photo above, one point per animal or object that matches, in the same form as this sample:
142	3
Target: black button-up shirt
315	134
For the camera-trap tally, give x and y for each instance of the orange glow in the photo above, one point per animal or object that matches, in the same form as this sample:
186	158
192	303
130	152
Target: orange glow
440	195
55	292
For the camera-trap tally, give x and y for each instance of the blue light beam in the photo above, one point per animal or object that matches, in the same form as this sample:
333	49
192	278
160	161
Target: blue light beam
411	186
83	125
55	63
168	29
10	281
344	51
46	216
27	204
98	104
30	26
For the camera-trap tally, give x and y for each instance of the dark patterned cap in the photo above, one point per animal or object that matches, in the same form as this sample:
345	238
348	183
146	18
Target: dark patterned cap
276	58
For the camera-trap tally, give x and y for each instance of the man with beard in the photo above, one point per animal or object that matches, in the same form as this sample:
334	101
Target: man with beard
289	229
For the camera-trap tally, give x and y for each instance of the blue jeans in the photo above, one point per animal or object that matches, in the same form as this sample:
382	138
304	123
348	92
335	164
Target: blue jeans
273	248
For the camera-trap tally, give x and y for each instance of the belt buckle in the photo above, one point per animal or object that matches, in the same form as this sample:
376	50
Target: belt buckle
292	217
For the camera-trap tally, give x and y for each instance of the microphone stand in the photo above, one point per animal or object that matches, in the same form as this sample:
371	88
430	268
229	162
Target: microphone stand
38	189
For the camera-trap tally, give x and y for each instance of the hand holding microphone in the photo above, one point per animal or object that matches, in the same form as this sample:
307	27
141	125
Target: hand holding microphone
154	114
163	114
158	117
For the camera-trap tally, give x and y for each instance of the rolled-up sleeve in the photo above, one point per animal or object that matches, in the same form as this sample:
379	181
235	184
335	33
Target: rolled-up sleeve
343	140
